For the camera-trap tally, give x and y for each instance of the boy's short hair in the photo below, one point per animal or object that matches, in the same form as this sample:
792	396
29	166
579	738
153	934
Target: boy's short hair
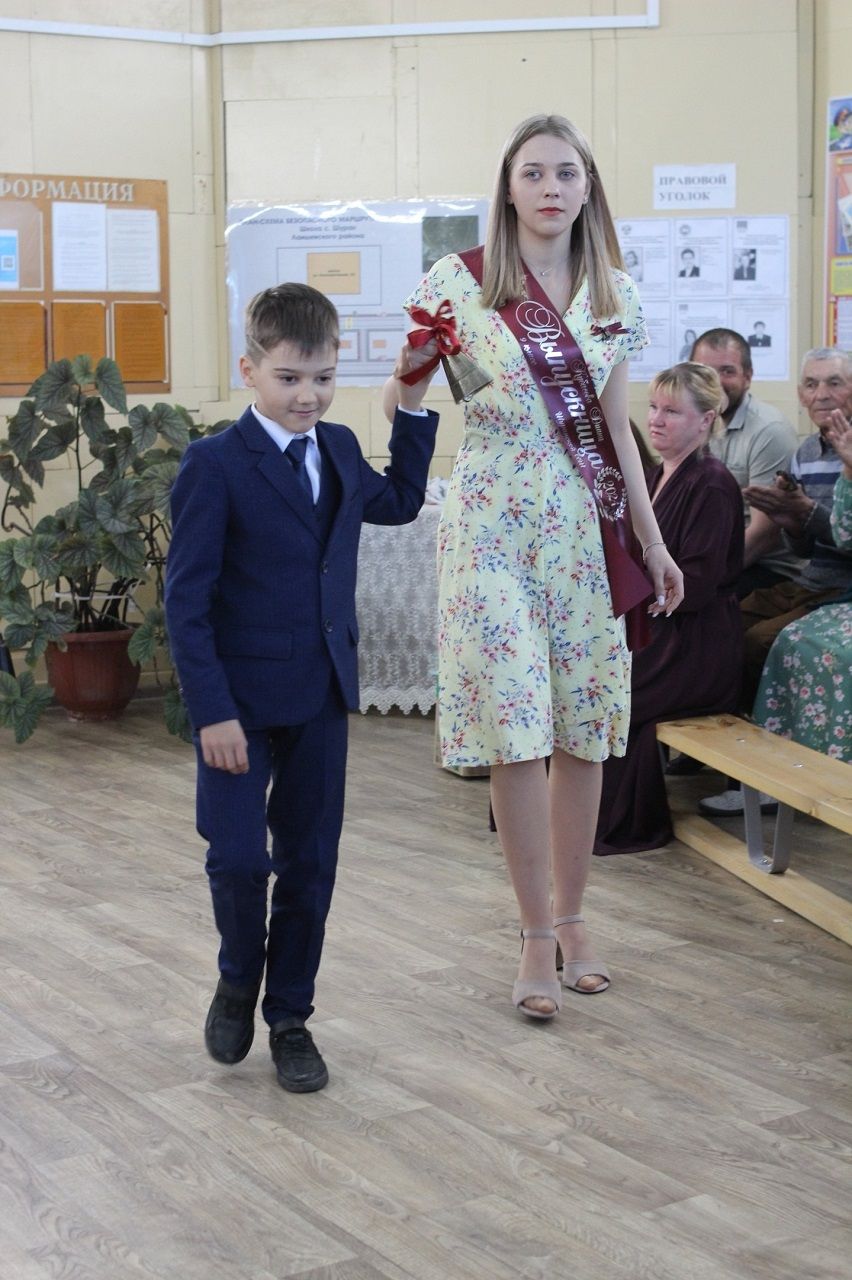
294	313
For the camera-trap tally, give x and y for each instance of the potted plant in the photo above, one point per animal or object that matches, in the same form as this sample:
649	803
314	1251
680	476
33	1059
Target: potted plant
83	586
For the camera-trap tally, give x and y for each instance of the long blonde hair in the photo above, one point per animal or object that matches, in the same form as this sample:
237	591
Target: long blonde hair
594	249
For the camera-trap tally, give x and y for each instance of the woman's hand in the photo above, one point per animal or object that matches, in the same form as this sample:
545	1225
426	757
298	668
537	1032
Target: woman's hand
667	579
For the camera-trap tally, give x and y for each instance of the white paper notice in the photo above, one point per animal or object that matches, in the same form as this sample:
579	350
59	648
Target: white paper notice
646	248
651	359
690	319
764	327
695	186
695	274
133	251
759	258
701	256
79	247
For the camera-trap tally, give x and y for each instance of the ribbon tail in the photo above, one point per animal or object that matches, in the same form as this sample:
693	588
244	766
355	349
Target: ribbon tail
630	589
416	375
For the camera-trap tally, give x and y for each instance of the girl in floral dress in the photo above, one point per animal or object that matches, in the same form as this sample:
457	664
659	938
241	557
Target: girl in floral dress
532	663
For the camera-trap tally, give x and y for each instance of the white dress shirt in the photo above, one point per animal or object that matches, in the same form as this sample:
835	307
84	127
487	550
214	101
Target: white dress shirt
282	437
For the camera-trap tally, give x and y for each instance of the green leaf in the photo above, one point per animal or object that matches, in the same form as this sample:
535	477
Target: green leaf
41	555
80	551
109	384
93	419
11	570
82	370
158	481
22	702
24	429
126	450
35	470
177	716
55	441
170	424
143	427
117	506
33	629
123	555
86	515
12	475
56	388
146	638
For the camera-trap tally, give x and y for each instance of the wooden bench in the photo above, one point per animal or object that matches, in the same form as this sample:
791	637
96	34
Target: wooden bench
798	778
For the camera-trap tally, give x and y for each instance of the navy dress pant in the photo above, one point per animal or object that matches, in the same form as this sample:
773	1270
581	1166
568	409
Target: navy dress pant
303	769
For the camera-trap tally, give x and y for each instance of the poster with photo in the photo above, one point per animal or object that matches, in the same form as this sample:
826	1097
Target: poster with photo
691	319
838	222
646	246
366	256
709	273
764	325
759	258
651	359
701	256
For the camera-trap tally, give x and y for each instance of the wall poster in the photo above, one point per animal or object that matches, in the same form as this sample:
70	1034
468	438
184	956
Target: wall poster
366	256
838	224
83	271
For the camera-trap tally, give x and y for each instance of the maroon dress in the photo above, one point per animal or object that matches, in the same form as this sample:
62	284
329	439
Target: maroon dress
693	663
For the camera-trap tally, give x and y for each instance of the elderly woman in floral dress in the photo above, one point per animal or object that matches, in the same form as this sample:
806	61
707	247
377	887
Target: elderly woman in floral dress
806	689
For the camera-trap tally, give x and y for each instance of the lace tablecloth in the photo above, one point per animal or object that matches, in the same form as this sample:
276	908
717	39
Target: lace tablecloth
397	603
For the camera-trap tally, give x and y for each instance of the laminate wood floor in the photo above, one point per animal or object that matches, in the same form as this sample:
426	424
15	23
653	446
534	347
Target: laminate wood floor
694	1123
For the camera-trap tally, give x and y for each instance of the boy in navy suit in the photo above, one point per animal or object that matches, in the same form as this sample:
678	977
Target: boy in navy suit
260	600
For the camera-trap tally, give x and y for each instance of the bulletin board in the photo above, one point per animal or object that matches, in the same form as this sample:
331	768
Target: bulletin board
84	269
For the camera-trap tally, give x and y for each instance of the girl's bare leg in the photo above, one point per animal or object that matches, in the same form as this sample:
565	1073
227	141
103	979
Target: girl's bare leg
575	793
519	798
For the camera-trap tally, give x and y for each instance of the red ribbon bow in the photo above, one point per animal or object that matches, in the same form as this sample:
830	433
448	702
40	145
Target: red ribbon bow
608	330
442	327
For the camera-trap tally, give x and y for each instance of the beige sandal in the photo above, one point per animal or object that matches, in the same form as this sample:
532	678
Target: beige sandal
574	970
531	988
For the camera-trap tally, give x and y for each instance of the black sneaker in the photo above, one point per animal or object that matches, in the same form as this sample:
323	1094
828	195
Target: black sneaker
297	1059
229	1029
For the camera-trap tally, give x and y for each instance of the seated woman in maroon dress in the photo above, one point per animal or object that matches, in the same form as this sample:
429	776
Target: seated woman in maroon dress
693	663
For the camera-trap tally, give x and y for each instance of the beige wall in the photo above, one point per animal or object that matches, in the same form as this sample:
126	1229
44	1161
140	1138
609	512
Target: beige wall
318	120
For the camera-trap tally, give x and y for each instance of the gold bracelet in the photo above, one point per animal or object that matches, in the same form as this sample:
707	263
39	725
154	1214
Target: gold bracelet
645	550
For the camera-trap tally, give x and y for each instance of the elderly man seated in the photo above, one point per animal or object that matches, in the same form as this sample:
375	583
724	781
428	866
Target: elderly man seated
800	504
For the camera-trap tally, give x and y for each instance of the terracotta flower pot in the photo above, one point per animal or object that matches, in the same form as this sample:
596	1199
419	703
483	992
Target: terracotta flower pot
93	679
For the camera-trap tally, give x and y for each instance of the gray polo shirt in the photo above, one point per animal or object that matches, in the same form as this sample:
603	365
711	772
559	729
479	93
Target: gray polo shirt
757	442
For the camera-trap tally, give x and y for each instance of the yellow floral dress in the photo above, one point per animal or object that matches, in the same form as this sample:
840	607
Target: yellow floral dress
530	655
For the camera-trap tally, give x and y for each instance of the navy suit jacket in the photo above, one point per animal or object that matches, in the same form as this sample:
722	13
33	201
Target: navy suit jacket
260	605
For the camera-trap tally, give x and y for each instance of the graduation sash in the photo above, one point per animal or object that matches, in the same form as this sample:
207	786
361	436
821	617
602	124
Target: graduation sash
565	384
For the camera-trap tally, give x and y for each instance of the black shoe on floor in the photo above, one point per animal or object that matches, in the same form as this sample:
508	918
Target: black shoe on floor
683	766
229	1029
297	1059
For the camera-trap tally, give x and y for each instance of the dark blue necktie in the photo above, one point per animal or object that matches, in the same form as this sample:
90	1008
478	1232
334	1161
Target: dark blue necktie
295	451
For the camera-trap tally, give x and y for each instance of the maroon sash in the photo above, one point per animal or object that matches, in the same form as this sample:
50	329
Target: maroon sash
565	384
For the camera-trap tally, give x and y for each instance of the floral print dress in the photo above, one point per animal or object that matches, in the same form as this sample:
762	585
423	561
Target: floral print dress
530	656
806	688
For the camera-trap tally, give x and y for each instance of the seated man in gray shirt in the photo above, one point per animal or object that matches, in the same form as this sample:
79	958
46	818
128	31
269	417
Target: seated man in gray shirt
758	441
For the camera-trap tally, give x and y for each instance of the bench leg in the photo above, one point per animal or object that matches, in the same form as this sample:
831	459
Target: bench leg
780	859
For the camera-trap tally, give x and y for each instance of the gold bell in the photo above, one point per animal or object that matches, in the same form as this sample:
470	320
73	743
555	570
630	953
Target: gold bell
464	376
